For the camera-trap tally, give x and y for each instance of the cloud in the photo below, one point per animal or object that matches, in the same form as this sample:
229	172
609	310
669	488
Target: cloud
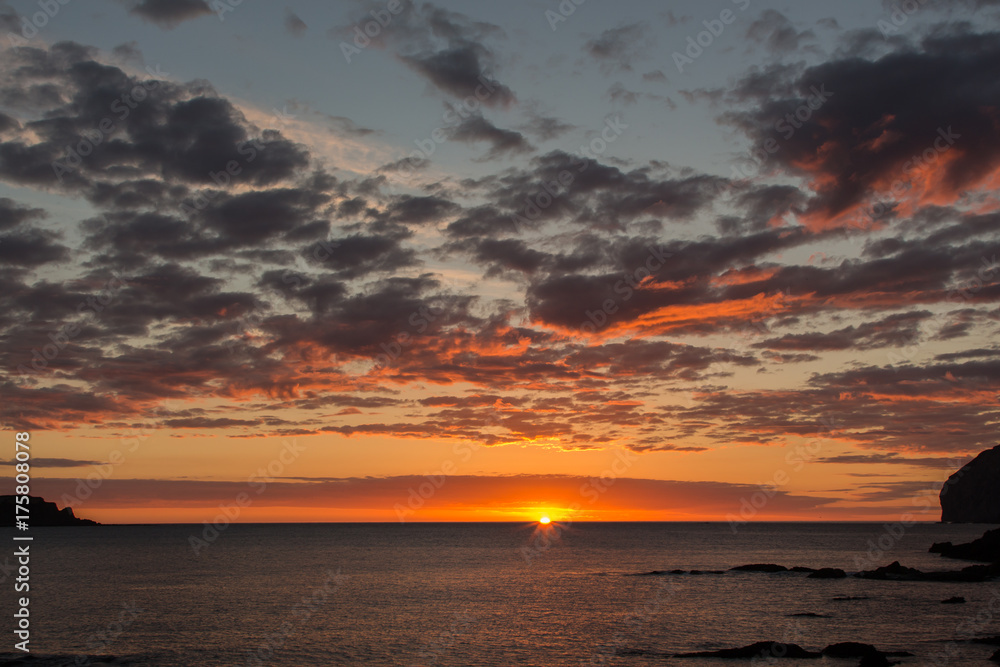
54	463
619	48
476	492
168	13
777	34
476	128
905	146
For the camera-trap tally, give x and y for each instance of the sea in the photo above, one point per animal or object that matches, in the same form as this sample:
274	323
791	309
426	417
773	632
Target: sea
486	594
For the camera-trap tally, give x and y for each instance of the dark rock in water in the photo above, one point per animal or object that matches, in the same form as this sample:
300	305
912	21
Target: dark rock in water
992	641
759	567
850	650
40	513
847	598
799	568
995	657
870	656
808	614
970	495
897	572
756	650
828	573
985	548
955	600
893	571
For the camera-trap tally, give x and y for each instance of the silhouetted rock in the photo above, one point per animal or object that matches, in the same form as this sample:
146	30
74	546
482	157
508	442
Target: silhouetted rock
876	661
759	567
808	614
955	600
970	495
992	641
850	598
995	657
897	572
756	650
869	654
850	650
828	573
893	571
799	568
40	513
985	548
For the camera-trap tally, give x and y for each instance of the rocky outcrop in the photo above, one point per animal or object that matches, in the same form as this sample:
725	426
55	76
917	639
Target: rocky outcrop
970	495
760	567
897	572
768	650
757	650
40	513
985	548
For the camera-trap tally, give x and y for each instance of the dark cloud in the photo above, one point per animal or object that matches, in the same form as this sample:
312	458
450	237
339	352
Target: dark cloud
894	331
450	50
619	48
476	129
868	139
42	462
777	34
13	214
168	13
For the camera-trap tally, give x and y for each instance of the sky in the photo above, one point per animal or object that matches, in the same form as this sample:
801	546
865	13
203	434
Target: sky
404	261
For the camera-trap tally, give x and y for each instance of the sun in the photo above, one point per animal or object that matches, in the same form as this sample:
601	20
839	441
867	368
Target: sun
545	520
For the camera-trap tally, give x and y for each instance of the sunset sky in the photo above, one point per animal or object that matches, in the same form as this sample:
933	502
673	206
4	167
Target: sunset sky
600	261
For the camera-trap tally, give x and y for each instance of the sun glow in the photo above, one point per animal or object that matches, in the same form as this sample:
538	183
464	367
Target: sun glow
545	520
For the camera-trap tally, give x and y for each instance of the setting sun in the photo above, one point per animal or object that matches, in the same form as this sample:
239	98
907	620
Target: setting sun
545	520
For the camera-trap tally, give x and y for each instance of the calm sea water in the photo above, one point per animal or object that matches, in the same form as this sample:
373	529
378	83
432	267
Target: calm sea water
485	594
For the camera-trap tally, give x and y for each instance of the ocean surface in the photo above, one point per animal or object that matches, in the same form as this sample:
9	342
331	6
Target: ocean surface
486	594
